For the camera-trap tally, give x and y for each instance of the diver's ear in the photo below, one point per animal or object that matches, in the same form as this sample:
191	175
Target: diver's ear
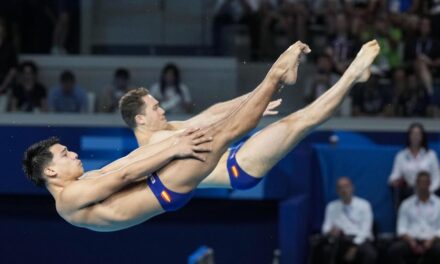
139	119
50	172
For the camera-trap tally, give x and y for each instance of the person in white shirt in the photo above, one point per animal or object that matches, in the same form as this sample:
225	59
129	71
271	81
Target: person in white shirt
416	157
418	225
174	96
348	228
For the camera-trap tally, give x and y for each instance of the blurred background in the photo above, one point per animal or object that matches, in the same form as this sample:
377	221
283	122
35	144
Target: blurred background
94	51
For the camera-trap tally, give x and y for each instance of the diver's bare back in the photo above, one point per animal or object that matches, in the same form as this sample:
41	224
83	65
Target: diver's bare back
130	206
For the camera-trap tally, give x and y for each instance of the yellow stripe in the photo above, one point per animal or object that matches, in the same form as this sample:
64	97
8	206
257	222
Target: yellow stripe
234	171
165	196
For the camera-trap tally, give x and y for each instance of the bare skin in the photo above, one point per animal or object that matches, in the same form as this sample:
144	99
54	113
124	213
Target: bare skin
113	198
266	148
100	200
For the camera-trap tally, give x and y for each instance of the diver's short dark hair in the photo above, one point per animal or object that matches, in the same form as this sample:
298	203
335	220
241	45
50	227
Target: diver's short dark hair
36	157
131	104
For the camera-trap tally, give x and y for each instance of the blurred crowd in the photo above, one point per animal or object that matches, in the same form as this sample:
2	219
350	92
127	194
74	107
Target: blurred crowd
405	79
406	76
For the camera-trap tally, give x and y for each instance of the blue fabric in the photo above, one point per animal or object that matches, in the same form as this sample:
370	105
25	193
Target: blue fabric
74	102
169	200
352	138
240	180
293	231
369	168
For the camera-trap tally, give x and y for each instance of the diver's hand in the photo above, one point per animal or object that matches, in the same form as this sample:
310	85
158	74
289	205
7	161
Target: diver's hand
191	143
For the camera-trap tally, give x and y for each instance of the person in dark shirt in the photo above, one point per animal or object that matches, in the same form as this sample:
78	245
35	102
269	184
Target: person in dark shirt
342	46
67	96
28	95
423	54
371	98
414	100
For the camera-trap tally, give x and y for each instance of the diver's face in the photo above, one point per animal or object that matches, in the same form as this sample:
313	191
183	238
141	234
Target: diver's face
153	116
65	164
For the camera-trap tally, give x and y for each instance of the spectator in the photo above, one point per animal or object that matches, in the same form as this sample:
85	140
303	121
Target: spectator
423	54
8	60
361	8
173	95
418	226
347	228
62	17
342	46
414	100
272	23
11	13
403	6
389	40
398	87
233	12
371	98
36	26
409	162
28	95
323	80
108	101
295	13
67	97
432	9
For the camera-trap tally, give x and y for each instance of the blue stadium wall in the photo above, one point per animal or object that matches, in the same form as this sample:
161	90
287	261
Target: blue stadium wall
287	208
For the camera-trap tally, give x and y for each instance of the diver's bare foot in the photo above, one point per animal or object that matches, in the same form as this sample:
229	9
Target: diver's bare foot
360	66
287	64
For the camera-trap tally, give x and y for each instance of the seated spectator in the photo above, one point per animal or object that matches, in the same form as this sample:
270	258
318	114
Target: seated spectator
389	40
433	10
347	229
8	60
371	98
361	8
295	14
28	95
63	20
409	162
108	101
423	54
342	46
323	79
273	21
230	12
414	99
398	86
418	226
174	96
67	97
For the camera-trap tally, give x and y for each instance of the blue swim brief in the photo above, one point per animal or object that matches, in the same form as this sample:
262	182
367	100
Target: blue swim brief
240	180
169	200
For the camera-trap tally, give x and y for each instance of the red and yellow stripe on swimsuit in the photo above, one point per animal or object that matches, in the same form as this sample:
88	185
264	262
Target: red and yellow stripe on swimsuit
234	171
165	196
